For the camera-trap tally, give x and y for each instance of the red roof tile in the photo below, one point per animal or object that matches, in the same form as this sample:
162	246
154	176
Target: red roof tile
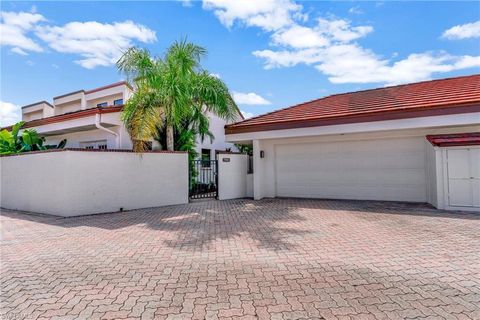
69	116
435	97
457	139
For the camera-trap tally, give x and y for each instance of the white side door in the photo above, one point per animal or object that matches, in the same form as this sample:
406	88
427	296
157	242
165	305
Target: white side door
463	169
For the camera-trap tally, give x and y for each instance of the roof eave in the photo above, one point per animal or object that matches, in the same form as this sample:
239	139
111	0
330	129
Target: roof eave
357	118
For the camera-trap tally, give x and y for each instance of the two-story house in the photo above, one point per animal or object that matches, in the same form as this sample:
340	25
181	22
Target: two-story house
91	119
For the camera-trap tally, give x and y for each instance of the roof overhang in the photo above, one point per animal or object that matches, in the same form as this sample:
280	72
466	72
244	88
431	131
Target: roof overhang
454	140
69	116
419	123
72	115
356	118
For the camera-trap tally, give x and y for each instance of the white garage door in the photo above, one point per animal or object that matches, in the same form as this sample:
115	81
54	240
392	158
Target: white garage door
463	177
384	169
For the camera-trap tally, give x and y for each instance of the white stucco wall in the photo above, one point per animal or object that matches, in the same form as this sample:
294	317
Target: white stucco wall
250	185
431	174
71	183
108	99
76	139
264	168
67	107
232	176
217	126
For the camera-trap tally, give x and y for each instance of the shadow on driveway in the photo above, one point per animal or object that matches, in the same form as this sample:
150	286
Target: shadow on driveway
196	225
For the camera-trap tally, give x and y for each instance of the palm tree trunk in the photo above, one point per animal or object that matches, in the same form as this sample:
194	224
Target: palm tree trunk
170	142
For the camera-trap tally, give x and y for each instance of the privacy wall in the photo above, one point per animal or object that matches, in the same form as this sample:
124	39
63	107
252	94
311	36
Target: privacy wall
80	182
232	175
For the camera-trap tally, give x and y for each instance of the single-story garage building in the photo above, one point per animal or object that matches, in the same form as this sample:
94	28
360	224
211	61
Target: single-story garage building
418	142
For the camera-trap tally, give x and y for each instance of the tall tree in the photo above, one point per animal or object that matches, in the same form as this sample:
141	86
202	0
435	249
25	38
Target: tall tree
169	90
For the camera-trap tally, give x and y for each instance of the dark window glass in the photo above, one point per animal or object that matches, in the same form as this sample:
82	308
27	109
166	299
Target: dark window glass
205	157
118	102
103	104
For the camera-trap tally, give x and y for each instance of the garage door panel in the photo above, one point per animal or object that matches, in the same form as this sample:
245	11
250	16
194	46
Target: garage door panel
393	193
476	192
387	169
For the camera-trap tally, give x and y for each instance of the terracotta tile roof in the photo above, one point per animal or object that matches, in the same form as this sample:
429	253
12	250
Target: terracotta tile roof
69	116
457	139
444	96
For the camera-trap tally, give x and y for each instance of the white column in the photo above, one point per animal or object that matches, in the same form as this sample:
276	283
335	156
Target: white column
439	170
83	102
257	171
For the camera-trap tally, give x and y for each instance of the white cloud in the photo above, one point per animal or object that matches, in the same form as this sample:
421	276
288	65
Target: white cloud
15	28
186	3
341	30
464	31
246	114
325	33
19	51
9	113
298	36
288	58
249	98
269	15
331	47
350	63
98	44
355	10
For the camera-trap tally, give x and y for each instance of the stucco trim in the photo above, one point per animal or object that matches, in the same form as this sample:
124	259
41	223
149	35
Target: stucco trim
87	150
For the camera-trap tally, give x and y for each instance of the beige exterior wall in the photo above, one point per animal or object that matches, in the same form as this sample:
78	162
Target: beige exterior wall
32	115
67	107
37	111
108	99
71	183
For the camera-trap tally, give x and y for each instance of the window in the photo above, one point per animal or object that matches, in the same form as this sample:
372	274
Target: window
206	158
250	164
100	144
103	104
118	102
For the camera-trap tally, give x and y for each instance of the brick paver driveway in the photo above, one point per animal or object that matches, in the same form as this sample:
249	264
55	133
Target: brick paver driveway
279	259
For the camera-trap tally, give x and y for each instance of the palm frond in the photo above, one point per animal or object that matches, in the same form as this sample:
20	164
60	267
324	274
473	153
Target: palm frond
214	95
141	115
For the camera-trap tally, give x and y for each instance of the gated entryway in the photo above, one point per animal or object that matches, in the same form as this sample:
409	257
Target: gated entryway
203	179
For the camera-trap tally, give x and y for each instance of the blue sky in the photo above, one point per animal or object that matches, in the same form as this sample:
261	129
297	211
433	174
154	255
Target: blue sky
271	53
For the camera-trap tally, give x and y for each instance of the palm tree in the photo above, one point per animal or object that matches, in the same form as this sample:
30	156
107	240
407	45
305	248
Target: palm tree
169	90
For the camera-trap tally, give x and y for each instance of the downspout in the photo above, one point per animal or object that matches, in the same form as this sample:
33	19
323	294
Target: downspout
100	127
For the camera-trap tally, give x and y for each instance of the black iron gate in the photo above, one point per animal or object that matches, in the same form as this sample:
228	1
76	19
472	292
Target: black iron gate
203	179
